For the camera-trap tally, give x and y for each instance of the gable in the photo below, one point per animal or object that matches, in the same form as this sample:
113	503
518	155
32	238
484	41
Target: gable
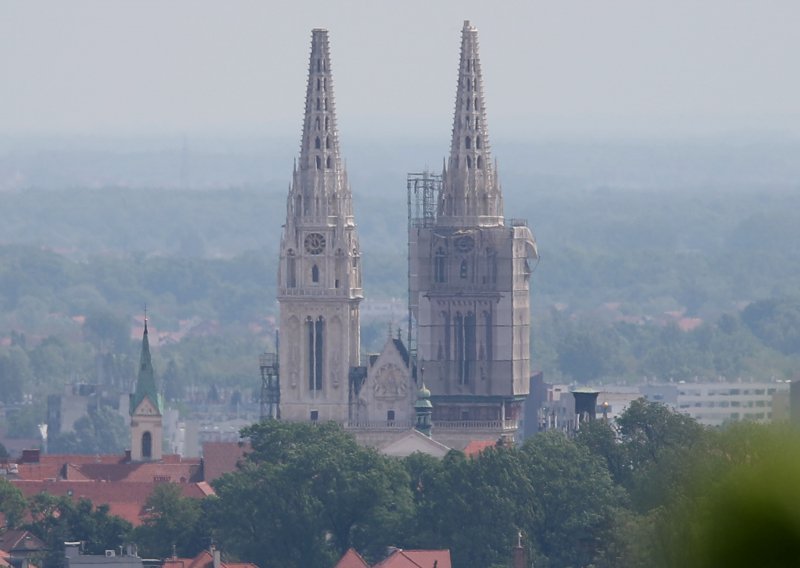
146	408
413	441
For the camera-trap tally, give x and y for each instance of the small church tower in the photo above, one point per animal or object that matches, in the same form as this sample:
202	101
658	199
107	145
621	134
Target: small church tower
319	275
146	409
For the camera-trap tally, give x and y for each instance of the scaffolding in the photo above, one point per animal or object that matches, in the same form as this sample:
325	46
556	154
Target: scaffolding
423	190
270	386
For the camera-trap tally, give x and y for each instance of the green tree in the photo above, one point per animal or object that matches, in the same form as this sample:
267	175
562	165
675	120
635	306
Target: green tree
12	503
101	431
576	501
173	523
307	493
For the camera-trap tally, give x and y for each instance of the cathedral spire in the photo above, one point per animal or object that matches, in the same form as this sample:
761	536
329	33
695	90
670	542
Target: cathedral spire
471	194
319	177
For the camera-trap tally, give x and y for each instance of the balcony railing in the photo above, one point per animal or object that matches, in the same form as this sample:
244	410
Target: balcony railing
500	425
380	425
311	292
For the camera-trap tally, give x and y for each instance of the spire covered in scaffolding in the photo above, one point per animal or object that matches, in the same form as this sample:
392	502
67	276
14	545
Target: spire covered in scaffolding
471	195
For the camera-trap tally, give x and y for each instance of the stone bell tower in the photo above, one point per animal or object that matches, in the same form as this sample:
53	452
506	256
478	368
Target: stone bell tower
469	279
319	277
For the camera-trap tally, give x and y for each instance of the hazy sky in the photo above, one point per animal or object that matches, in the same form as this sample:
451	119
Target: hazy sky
551	68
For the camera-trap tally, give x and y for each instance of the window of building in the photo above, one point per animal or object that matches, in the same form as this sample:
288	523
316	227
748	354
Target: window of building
440	265
314	415
390	416
147	445
468	142
315	274
317	143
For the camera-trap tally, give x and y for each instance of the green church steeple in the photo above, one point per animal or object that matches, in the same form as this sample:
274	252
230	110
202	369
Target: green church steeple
146	381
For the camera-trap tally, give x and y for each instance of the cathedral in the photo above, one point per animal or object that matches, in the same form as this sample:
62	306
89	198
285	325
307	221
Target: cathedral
469	286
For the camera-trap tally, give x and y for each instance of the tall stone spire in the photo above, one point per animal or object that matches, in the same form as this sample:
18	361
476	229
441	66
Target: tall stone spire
471	194
319	275
319	184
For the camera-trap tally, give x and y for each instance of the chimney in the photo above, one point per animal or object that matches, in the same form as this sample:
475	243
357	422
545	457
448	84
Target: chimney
519	559
217	557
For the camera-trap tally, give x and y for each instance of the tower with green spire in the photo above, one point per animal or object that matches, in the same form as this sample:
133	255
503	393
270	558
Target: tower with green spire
423	408
146	409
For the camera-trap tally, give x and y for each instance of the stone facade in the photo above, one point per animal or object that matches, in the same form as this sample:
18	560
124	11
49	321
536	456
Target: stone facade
319	280
470	280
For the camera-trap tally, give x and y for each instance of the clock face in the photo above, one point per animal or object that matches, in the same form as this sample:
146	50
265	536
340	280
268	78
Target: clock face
465	244
315	243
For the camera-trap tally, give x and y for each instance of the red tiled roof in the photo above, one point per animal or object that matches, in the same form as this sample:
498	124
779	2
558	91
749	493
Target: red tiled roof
221	457
417	559
203	560
16	540
351	559
142	471
477	446
125	499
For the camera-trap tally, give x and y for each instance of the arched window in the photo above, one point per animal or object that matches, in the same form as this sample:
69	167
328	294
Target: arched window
147	445
475	106
468	142
480	163
478	142
469	104
328	142
315	274
326	124
440	265
318	82
319	162
319	65
316	123
319	104
315	352
317	143
291	270
328	162
469	162
476	123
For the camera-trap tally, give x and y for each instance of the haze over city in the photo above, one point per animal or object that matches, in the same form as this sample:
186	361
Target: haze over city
552	69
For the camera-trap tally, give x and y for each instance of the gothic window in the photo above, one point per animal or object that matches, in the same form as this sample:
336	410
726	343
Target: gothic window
328	142
480	163
318	82
318	160
470	350
319	104
476	123
439	269
147	445
469	66
390	415
291	270
478	142
317	143
469	85
316	123
468	142
464	269
328	162
469	104
459	331
315	274
326	124
319	65
447	332
475	106
326	103
315	330
469	161
487	322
